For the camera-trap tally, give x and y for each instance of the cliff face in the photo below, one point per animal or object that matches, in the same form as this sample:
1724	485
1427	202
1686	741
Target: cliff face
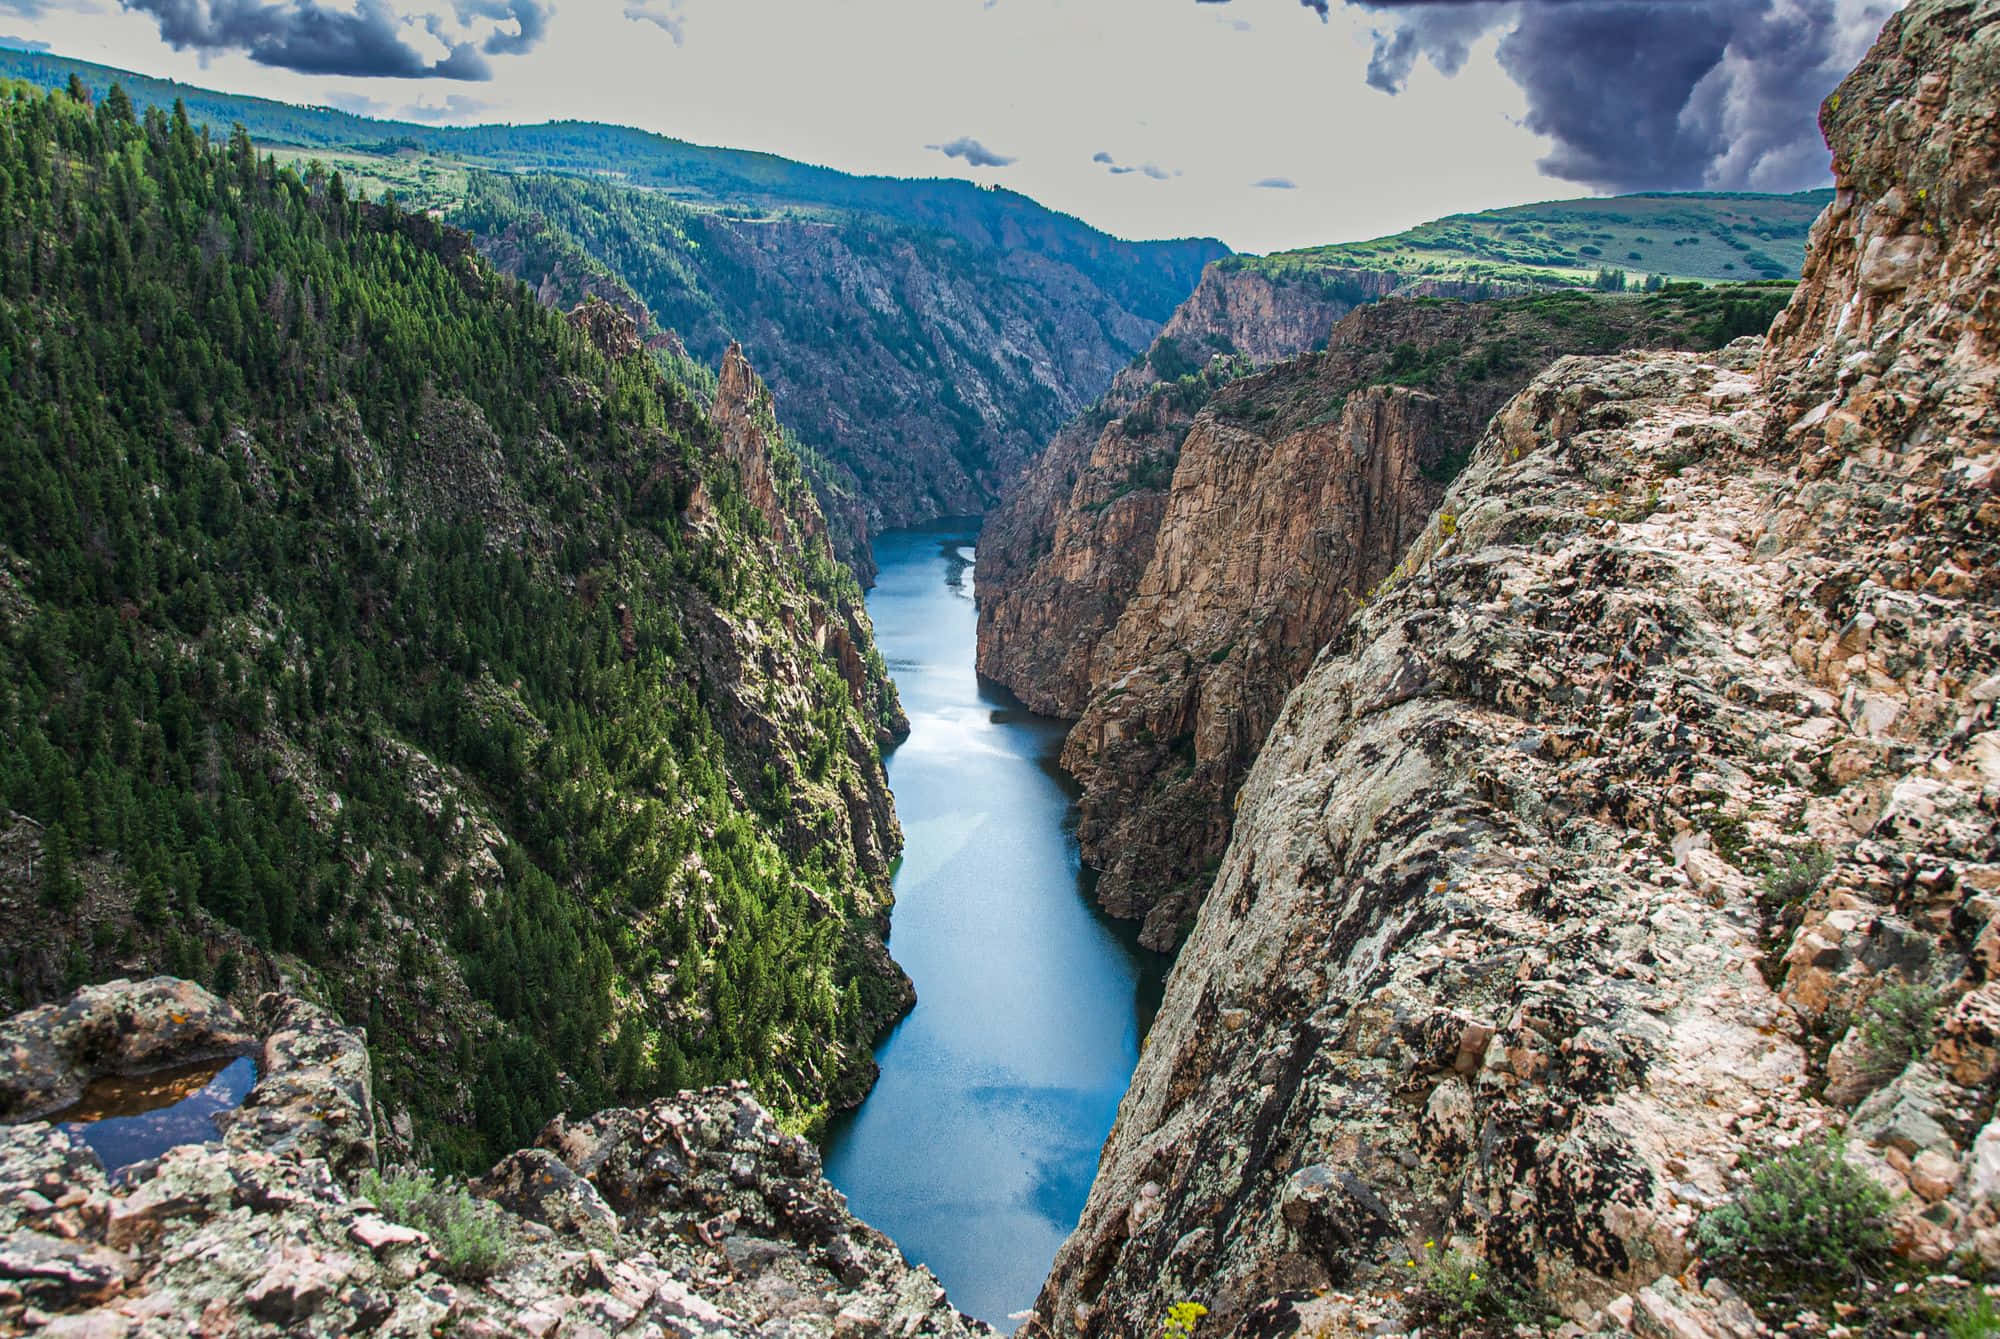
1602	840
925	365
1205	548
694	1215
1265	539
1061	556
566	277
933	373
1268	315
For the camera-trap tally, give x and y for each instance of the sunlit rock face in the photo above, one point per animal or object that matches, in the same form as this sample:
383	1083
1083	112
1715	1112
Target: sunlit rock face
1172	565
1563	882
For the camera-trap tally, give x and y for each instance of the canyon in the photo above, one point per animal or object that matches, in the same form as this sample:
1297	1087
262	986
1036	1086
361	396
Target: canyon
1558	732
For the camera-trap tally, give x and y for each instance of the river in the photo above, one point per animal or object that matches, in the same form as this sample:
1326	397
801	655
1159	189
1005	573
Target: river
977	1146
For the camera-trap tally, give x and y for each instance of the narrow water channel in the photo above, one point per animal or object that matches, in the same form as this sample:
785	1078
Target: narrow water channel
977	1146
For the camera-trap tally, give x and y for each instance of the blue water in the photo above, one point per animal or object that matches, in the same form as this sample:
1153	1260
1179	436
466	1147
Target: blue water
128	1120
976	1148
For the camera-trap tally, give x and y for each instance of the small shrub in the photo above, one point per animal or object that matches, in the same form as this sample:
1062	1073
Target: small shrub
398	1191
1898	1025
1808	1221
469	1234
1977	1319
1457	1293
1792	879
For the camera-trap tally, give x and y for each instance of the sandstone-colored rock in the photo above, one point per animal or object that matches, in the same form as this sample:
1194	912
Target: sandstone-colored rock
1968	1044
1933	1174
295	1283
54	1272
189	1182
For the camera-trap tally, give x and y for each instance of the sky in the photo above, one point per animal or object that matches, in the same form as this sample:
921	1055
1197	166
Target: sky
1267	123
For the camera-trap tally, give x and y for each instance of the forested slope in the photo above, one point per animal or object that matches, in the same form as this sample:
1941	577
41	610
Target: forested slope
923	336
929	368
365	623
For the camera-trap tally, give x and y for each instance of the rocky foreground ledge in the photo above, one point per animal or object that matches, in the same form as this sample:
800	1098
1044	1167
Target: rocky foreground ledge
695	1215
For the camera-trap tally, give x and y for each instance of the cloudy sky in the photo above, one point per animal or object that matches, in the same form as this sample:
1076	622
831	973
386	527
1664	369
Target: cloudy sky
1268	123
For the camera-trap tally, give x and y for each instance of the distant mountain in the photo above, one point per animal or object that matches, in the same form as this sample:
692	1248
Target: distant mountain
1267	308
1148	278
925	335
1717	236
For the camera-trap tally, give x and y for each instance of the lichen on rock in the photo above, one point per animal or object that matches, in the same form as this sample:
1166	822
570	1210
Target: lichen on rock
694	1215
1584	855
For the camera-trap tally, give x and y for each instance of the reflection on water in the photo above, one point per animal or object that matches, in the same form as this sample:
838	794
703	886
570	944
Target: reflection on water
130	1118
977	1146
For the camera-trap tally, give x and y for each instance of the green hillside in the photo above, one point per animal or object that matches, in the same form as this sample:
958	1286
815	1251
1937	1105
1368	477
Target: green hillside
915	412
1712	237
366	623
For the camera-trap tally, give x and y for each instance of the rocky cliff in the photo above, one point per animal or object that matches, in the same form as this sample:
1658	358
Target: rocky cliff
1636	837
567	278
1266	311
694	1215
1167	575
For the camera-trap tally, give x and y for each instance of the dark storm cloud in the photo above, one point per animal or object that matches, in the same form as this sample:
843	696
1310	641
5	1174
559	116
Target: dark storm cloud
1442	32
972	151
368	40
529	17
1653	94
1649	94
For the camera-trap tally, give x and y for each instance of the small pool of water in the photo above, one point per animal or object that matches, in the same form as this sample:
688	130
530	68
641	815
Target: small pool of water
128	1118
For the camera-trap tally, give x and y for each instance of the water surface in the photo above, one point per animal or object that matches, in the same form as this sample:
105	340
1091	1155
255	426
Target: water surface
130	1118
977	1146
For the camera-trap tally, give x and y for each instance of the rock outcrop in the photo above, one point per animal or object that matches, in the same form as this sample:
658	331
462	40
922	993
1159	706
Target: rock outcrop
1594	848
694	1215
1267	315
54	1051
1265	540
1059	559
1167	575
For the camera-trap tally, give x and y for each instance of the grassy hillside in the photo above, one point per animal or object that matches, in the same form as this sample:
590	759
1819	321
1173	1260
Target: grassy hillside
365	622
1713	237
